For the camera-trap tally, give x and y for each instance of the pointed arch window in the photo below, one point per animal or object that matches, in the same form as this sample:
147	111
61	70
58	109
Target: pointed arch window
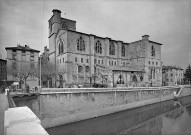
98	47
60	46
152	51
123	51
80	44
111	49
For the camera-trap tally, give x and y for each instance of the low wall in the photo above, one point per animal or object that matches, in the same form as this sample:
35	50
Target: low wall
22	121
61	106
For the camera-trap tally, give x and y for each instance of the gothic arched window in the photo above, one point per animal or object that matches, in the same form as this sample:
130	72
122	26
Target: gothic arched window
123	51
98	47
111	49
80	44
60	46
152	51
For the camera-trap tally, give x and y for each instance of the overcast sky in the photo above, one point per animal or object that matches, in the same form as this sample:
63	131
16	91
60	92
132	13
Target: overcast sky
166	21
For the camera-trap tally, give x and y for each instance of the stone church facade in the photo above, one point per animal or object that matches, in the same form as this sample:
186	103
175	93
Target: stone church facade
84	59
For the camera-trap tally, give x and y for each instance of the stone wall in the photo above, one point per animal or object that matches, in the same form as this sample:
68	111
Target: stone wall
58	106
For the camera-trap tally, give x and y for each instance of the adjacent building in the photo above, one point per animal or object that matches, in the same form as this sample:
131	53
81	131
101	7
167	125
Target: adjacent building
172	75
22	65
81	58
3	70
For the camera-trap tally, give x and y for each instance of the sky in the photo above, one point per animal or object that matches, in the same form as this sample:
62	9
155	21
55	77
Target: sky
165	21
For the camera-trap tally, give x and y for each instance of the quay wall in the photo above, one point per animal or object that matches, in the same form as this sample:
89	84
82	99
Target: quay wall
58	106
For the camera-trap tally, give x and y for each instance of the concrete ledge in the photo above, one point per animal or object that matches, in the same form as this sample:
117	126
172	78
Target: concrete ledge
28	128
19	119
102	90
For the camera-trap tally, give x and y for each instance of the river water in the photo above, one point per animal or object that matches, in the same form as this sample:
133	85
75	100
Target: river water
165	118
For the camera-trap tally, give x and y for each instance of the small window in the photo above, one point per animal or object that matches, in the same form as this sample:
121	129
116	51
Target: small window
60	60
112	63
115	63
95	61
156	63
87	60
32	58
76	60
102	61
98	61
149	62
63	60
14	56
81	60
14	50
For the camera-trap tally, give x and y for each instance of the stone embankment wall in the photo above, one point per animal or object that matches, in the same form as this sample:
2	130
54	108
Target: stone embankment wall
58	106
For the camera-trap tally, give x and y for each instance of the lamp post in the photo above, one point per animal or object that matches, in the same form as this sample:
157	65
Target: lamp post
40	71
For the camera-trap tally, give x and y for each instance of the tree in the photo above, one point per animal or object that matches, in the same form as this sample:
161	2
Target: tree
47	73
21	74
187	74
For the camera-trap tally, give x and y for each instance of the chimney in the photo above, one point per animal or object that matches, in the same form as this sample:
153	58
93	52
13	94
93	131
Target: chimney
145	37
56	12
26	46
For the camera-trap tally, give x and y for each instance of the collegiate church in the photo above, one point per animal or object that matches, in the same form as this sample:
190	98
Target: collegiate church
85	59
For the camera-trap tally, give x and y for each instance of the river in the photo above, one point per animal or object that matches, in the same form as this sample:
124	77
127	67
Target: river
165	118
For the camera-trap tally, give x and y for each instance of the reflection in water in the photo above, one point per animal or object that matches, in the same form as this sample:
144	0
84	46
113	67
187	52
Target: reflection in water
188	109
156	119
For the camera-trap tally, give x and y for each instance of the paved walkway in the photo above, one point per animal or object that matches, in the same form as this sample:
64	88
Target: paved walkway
3	106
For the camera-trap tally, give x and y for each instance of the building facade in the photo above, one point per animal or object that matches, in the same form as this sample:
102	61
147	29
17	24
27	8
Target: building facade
172	75
3	70
81	58
22	65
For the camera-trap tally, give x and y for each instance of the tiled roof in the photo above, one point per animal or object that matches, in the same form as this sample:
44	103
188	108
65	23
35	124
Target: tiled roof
172	67
25	48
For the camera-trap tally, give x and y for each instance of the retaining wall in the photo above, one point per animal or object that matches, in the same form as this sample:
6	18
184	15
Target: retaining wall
60	106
